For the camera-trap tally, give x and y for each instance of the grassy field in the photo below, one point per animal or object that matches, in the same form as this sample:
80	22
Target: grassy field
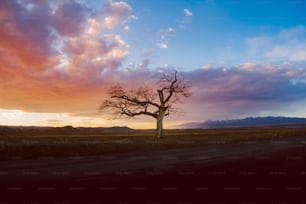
23	145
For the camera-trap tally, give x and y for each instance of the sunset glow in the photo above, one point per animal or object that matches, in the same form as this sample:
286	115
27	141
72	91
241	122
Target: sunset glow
59	58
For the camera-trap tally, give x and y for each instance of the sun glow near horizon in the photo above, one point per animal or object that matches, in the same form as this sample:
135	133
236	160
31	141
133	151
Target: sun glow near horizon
20	118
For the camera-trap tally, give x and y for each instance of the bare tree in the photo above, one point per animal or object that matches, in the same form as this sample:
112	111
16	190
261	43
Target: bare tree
147	101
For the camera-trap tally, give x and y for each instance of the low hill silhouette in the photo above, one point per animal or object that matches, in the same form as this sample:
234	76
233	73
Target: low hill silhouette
248	122
5	130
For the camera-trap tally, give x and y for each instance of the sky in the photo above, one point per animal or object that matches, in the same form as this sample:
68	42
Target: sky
58	58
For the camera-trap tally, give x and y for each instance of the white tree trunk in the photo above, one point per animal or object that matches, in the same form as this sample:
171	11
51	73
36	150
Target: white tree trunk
159	126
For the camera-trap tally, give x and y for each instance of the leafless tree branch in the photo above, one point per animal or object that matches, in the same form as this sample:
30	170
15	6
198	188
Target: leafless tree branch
144	101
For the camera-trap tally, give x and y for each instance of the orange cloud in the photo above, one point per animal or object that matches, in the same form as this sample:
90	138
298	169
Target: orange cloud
49	60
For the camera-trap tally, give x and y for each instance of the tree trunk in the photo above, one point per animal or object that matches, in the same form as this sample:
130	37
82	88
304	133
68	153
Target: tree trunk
159	127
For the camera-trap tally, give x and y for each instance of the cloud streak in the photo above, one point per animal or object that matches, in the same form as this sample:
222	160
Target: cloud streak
167	33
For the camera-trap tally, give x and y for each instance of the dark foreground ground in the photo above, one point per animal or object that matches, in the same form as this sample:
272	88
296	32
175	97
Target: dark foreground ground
268	171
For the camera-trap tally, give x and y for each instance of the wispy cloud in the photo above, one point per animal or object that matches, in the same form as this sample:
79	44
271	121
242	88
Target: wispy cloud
126	28
188	12
186	20
288	44
162	45
167	33
206	67
115	13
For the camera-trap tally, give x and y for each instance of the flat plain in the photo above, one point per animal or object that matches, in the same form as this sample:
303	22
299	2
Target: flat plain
249	165
61	142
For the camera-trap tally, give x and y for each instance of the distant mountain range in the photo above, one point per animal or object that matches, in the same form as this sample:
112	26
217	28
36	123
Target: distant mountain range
247	122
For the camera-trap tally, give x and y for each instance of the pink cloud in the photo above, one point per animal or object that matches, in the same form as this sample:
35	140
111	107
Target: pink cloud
115	13
49	60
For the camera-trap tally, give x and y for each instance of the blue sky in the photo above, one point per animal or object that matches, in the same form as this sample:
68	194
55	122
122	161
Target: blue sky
59	58
216	33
